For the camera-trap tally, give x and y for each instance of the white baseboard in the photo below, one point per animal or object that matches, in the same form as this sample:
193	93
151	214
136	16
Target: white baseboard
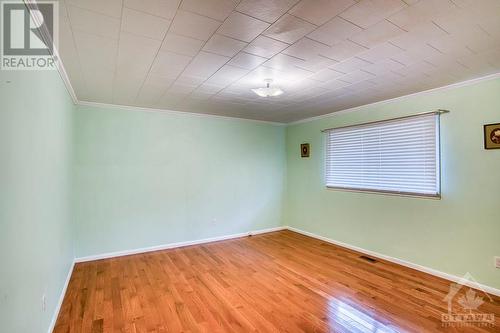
401	262
174	245
431	271
61	298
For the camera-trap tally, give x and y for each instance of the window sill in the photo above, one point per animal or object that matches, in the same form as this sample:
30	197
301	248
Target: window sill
390	193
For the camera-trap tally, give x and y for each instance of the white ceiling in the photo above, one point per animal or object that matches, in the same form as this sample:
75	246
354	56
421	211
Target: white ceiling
204	56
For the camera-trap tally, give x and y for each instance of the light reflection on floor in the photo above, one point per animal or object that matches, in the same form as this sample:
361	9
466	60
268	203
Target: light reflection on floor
354	320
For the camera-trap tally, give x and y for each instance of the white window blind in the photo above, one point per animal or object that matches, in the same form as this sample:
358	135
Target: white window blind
395	156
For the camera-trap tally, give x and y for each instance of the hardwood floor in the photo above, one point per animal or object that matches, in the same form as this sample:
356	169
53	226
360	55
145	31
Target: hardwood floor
276	282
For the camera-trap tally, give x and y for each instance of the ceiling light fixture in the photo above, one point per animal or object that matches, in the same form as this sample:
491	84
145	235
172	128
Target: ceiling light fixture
268	91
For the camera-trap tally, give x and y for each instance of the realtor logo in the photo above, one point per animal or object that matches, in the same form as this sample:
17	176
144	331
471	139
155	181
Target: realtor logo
29	35
464	305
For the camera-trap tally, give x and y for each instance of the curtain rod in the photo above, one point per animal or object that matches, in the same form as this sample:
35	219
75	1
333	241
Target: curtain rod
438	112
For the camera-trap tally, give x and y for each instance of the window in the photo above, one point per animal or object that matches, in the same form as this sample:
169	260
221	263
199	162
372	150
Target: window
394	156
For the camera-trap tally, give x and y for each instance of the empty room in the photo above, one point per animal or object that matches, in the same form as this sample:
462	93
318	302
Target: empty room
249	166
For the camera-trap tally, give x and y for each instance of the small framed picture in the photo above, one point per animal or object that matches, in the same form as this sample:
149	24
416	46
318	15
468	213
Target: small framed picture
492	136
304	150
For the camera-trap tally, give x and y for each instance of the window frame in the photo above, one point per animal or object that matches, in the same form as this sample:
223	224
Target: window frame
436	196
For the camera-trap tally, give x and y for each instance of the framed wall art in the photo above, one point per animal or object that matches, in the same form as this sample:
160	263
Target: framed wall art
492	136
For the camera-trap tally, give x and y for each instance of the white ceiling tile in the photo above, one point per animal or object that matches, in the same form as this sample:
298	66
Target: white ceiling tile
416	68
162	8
136	54
205	64
168	64
145	25
356	76
216	9
418	35
265	10
144	46
227	75
326	75
223	45
159	81
289	29
421	12
280	78
181	44
242	27
492	57
479	40
200	95
320	11
282	62
70	57
246	60
485	62
308	94
368	12
306	49
126	87
455	21
415	54
343	50
296	73
451	45
383	67
180	89
190	80
446	41
153	88
317	63
335	31
490	22
171	101
111	8
350	65
380	52
365	86
265	47
206	88
335	85
410	2
96	51
92	22
99	84
193	25
376	34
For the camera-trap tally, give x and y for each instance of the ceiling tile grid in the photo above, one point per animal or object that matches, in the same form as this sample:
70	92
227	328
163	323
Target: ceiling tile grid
205	56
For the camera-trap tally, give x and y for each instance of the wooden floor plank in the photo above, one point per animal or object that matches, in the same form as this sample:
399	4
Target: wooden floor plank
276	282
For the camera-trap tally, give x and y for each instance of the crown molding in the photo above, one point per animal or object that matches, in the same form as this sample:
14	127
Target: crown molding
174	112
306	120
33	6
385	101
64	76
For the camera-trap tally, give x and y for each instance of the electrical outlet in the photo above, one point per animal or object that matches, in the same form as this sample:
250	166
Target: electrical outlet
214	221
44	303
497	262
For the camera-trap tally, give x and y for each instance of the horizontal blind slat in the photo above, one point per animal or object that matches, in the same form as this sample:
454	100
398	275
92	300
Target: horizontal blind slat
398	155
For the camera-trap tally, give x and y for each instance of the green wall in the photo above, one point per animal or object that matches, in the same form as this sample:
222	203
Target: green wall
149	178
456	234
105	179
36	248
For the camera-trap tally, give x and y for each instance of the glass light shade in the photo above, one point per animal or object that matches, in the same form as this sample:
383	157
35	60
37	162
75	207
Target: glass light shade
268	91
